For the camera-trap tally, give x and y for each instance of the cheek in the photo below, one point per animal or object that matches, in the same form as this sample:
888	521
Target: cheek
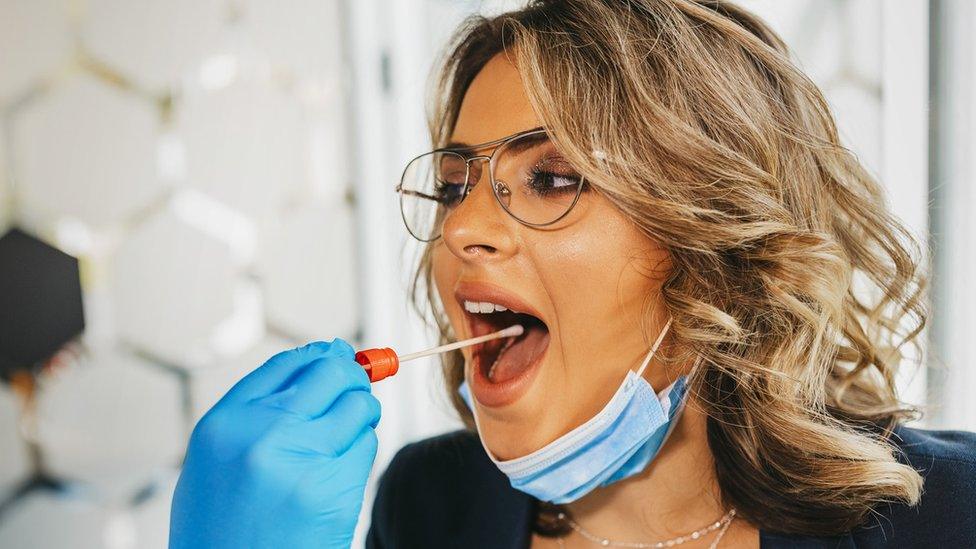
602	279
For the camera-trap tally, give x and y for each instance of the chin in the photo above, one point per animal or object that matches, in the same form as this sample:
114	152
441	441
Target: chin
510	435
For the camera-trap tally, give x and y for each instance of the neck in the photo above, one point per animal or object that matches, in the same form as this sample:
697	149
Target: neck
676	494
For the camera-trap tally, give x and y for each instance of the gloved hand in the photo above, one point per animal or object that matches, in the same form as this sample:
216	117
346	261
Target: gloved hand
282	459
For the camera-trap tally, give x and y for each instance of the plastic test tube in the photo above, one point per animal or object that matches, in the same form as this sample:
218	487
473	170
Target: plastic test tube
383	362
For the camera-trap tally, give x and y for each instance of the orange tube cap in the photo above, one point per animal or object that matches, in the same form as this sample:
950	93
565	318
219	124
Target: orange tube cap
379	363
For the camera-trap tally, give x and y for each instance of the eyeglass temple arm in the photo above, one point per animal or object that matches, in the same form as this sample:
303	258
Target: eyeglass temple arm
400	189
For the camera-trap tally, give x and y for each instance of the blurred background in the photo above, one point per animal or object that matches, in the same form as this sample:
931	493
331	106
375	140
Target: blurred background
192	185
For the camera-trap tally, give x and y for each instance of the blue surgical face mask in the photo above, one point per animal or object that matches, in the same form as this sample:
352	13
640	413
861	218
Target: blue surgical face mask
618	442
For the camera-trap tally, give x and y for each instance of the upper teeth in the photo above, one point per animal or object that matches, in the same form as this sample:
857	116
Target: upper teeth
482	307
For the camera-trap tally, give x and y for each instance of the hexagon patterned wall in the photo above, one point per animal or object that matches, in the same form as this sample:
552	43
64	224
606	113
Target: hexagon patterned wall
189	154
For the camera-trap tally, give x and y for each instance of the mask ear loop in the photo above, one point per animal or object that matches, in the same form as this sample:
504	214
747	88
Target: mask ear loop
665	392
660	338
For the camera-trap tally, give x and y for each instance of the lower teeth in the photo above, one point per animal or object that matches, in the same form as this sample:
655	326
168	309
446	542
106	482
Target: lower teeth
508	343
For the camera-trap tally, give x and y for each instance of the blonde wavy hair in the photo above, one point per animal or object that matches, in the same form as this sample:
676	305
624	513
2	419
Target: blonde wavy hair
792	283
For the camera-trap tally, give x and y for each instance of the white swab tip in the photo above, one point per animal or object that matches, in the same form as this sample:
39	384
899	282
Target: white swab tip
514	330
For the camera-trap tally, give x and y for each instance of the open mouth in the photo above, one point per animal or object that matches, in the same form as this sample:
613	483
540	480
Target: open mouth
501	360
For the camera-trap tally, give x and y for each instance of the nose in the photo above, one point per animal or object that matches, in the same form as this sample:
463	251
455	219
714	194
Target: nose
478	229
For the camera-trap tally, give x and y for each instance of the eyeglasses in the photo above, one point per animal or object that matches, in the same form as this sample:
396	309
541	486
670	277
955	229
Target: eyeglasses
528	176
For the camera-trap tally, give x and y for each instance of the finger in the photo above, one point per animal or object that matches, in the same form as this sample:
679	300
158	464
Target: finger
363	448
278	369
335	432
315	388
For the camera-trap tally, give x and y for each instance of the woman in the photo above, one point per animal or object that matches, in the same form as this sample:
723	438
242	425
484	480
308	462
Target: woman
713	298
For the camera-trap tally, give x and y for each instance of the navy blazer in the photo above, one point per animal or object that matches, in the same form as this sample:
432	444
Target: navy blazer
445	492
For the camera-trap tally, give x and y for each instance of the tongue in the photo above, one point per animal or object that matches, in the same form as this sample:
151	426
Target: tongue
521	354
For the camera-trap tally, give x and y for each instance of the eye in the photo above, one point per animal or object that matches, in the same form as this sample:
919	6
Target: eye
545	182
450	169
449	194
454	177
449	180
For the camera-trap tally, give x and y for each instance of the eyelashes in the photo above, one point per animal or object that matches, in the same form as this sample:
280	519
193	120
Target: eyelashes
543	182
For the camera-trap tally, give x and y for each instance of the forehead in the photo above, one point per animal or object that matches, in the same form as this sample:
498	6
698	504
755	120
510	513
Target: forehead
495	104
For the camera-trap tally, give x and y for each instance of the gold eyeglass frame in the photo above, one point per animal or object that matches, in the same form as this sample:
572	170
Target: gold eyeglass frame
496	186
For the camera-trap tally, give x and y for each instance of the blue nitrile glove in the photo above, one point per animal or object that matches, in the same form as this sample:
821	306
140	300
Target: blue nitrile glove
282	459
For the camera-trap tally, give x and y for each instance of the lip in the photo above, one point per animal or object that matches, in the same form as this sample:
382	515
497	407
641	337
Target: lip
483	291
487	393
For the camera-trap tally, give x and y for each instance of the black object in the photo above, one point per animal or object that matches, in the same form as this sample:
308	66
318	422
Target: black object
40	302
443	491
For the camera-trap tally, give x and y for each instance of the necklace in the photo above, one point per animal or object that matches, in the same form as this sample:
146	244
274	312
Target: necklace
722	523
